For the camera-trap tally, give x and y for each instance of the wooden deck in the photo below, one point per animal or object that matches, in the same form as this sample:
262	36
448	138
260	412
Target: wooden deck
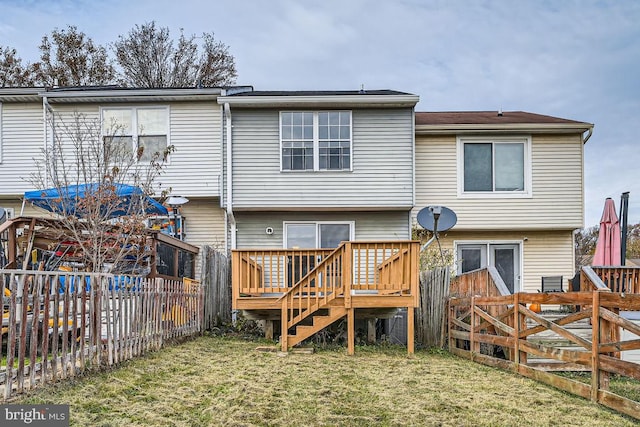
321	286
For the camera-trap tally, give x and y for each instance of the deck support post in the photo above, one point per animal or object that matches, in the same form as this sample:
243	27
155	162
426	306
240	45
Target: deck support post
268	329
351	331
283	329
371	331
410	330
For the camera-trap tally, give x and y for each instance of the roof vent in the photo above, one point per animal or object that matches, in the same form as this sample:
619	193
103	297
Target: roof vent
500	112
362	89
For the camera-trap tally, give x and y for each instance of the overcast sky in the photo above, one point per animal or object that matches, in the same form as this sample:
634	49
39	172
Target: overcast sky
572	59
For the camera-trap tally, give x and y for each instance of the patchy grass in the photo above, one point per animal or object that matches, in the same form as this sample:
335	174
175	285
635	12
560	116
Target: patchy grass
223	381
624	386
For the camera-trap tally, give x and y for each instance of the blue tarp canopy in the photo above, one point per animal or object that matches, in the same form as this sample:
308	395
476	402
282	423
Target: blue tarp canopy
64	200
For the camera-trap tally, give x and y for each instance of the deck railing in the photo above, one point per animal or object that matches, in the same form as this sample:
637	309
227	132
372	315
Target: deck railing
56	325
620	279
372	267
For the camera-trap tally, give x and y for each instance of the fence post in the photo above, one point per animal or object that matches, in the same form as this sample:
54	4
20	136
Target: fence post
284	325
472	332
516	328
595	342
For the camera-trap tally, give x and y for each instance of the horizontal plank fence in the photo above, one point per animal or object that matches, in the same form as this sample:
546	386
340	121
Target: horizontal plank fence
56	325
476	332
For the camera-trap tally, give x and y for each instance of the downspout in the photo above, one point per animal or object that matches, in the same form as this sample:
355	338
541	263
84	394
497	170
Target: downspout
46	107
230	217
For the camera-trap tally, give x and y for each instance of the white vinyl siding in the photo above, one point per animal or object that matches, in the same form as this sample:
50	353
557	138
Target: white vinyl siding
381	177
384	226
544	253
21	129
556	200
195	132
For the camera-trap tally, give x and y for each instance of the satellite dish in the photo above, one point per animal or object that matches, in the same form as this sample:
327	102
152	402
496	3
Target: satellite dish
444	217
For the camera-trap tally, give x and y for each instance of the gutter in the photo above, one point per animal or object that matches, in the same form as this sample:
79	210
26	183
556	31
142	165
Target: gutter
229	173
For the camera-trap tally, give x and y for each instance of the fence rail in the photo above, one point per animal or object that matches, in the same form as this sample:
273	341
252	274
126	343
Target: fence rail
58	324
474	332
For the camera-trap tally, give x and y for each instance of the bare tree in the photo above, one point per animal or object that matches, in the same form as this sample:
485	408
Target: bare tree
71	58
88	172
585	242
148	57
12	72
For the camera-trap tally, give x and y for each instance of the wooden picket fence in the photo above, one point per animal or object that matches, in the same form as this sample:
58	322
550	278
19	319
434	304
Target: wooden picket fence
56	325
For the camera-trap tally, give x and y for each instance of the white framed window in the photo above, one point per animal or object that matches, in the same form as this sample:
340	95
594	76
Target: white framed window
494	167
315	140
505	256
320	234
143	130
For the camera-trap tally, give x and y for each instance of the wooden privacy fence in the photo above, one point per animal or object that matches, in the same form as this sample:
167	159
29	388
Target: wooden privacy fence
474	332
431	314
216	281
57	324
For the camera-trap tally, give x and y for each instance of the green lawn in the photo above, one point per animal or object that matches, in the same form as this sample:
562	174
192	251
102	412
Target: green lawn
225	381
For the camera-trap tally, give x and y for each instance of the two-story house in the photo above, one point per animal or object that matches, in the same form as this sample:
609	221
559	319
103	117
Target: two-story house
312	169
188	119
515	180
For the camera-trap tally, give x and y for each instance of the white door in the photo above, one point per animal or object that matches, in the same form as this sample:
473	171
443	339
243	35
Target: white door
504	257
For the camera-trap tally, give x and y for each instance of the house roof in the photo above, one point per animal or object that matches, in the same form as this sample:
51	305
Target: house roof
320	98
92	94
484	121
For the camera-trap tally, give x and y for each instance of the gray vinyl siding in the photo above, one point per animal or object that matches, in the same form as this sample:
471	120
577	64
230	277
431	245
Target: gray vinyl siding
381	175
557	200
21	142
392	225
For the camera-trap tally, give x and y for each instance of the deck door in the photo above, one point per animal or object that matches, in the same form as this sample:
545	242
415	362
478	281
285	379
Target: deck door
312	235
504	257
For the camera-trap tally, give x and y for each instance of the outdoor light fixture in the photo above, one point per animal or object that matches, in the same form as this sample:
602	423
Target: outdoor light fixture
175	203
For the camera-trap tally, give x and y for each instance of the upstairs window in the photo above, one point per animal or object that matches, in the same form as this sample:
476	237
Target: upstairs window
142	130
499	167
315	141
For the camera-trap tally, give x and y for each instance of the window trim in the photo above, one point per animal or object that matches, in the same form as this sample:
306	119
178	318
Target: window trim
316	141
524	139
487	247
352	229
134	123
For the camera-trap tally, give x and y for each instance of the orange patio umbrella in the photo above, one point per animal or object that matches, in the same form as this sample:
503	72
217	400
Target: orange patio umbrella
608	245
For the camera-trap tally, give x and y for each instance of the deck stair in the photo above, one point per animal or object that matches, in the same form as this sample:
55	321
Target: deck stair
320	320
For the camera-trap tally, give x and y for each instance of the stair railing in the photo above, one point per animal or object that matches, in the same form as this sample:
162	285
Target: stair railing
317	288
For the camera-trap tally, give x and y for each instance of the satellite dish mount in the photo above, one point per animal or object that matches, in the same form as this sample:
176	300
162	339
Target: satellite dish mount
436	219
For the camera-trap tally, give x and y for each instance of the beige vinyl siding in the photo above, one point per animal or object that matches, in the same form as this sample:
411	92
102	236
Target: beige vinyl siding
381	161
22	141
557	186
204	225
544	253
392	225
15	203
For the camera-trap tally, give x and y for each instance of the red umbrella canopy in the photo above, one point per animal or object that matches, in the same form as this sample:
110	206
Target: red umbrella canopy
608	246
